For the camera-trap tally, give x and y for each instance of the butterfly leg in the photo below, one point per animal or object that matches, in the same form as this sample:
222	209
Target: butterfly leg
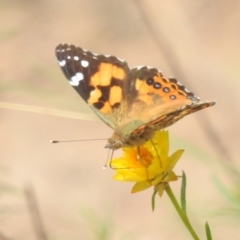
153	144
109	160
138	153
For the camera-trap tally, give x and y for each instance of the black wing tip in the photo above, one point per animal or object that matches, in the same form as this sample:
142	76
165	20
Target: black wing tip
62	47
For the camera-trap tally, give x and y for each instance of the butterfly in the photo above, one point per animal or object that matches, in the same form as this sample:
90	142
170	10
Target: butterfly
133	102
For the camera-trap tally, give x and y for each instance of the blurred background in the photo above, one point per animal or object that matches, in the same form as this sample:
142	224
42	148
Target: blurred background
196	42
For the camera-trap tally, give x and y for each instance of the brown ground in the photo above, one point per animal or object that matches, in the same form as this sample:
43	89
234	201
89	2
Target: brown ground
198	44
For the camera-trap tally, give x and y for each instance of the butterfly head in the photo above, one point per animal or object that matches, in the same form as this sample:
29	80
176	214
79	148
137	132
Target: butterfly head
115	142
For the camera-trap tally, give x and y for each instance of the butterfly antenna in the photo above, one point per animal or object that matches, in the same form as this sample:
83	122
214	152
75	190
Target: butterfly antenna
80	140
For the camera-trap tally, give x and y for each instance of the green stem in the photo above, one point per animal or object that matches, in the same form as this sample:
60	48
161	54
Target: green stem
182	215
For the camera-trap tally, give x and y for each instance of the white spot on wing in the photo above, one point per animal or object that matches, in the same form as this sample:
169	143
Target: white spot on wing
68	57
79	76
75	80
62	63
84	63
76	58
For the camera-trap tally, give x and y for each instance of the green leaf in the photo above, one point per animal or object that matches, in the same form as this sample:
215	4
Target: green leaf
183	192
153	200
208	231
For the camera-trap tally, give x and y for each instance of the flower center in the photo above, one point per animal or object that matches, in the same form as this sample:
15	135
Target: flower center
143	158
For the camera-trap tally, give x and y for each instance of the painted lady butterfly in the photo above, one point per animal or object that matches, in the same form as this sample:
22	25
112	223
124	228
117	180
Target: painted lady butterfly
133	102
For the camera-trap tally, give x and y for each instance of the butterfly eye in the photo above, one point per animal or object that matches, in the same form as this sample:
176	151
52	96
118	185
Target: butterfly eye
150	81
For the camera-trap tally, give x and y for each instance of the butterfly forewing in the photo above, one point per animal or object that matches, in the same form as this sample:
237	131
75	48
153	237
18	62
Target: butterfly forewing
80	66
100	80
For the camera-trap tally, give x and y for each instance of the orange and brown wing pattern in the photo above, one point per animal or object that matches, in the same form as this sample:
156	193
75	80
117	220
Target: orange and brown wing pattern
156	102
99	79
170	118
150	87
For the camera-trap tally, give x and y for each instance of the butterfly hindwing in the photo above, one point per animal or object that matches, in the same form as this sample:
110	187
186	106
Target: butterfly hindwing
151	96
156	102
170	118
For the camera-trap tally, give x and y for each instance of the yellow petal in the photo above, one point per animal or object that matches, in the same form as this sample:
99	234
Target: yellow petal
170	177
161	137
174	158
135	175
140	186
158	179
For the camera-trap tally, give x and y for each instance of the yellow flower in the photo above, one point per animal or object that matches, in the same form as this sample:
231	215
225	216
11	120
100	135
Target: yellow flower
148	165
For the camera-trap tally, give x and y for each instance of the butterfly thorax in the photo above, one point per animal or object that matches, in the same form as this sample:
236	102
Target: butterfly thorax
136	138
